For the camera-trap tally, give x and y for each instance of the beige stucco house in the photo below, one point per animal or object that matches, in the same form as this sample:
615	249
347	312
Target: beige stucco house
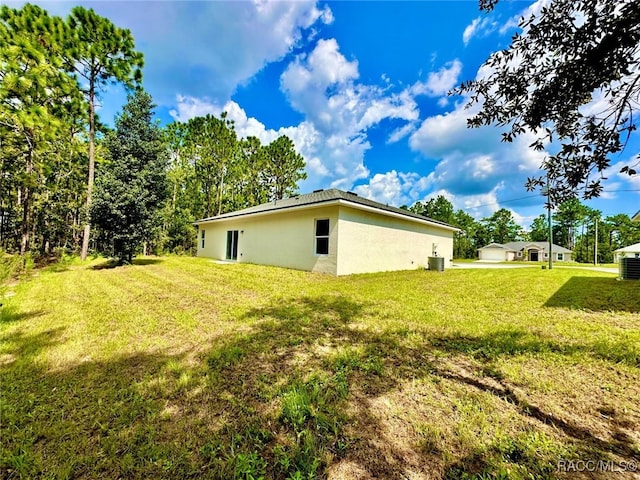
329	231
523	251
631	251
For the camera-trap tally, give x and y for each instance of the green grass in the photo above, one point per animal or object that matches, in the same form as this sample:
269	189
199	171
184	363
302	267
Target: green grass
182	368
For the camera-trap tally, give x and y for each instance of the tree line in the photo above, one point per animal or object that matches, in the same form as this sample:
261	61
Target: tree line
573	226
67	181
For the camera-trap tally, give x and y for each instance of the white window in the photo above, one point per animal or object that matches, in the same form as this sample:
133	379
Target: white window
546	254
560	256
202	237
322	236
520	254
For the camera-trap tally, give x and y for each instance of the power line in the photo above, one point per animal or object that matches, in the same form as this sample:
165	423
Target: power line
624	190
541	195
504	201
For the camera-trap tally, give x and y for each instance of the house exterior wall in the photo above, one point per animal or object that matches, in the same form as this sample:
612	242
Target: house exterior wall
566	257
617	256
284	239
359	241
371	242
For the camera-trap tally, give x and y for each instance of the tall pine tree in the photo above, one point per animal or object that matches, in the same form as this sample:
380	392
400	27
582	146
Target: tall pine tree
99	53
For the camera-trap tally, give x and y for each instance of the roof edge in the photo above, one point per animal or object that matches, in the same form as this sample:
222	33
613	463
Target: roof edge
329	202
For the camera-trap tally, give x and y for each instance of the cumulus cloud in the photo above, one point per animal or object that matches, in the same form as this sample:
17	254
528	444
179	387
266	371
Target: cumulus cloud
473	160
393	188
400	133
338	112
513	22
621	183
323	86
477	205
440	82
483	26
221	44
479	27
339	170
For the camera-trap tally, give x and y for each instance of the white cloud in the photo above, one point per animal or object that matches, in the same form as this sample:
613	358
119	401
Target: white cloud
533	9
479	27
400	133
212	46
619	182
470	30
473	160
313	145
323	86
190	107
440	82
477	205
393	188
484	26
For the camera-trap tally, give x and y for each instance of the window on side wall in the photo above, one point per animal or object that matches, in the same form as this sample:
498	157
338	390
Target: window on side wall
202	238
322	236
560	256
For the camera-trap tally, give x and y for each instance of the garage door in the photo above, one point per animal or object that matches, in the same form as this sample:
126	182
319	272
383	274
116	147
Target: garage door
495	254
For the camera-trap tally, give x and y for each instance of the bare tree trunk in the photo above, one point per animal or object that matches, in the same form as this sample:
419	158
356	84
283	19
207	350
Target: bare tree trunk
220	187
92	138
26	206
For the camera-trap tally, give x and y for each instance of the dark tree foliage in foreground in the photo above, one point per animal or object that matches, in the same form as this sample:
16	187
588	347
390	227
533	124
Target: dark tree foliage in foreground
130	193
573	78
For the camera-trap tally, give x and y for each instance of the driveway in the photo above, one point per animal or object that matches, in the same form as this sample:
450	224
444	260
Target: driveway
489	265
506	265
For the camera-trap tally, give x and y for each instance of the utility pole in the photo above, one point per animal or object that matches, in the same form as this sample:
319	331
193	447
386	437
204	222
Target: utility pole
549	222
595	245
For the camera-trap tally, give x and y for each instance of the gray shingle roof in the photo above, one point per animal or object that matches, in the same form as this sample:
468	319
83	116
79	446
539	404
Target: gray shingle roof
319	197
496	245
517	246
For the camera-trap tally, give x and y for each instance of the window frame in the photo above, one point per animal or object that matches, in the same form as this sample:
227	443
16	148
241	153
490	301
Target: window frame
202	238
321	238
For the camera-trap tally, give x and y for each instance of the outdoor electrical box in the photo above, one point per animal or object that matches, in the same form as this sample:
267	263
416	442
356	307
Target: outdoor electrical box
630	268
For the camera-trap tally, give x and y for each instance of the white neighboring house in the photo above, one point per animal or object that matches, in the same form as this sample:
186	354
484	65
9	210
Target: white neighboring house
329	231
636	217
632	251
523	251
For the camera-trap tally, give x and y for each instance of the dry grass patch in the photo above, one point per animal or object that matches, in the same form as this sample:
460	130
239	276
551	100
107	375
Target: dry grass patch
180	367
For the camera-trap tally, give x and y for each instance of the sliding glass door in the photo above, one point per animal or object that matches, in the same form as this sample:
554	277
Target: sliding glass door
232	244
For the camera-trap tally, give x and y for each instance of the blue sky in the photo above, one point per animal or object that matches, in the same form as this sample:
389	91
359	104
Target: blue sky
360	87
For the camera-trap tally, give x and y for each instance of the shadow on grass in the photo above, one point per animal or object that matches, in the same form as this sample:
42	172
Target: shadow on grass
488	348
9	314
19	345
113	263
518	342
597	294
292	393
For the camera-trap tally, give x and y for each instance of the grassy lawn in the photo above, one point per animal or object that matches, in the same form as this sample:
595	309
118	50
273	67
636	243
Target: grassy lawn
183	368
